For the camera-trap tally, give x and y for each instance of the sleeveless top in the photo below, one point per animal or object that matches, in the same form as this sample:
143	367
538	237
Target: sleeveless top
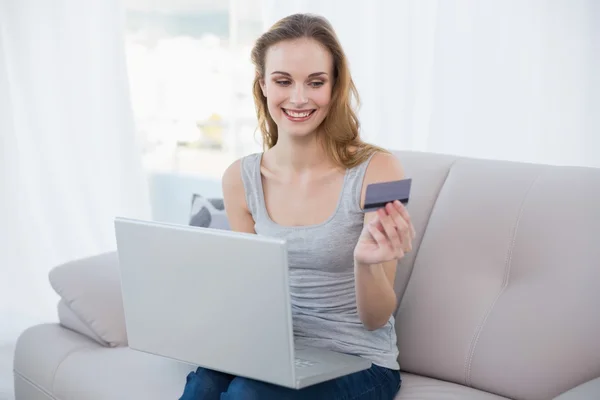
321	271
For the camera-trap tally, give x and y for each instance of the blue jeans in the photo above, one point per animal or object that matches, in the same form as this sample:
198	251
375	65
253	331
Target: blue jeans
374	383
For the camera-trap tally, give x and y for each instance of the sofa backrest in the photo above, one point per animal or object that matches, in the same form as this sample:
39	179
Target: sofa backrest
429	172
502	289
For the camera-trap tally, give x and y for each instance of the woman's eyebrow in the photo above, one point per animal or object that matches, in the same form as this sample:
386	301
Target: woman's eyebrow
314	74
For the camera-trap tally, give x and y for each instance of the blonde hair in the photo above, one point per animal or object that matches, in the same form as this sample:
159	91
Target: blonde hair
341	125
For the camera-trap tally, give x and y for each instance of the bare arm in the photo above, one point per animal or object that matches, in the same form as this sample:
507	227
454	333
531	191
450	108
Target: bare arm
234	199
375	295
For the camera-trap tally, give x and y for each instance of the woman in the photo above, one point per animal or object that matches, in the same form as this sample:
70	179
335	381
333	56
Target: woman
308	187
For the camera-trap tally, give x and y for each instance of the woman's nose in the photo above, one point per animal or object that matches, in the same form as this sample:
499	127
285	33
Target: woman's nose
298	95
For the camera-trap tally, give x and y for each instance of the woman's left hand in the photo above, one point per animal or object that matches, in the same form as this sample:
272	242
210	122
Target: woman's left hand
388	236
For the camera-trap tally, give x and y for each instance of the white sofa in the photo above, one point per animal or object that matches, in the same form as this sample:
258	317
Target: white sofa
499	299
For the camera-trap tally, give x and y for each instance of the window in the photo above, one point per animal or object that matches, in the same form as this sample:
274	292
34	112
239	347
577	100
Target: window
190	79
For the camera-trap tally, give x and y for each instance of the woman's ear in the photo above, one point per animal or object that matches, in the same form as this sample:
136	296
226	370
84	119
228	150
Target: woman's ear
263	87
261	82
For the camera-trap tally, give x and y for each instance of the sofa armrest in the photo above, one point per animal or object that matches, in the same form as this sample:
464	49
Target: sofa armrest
91	289
585	391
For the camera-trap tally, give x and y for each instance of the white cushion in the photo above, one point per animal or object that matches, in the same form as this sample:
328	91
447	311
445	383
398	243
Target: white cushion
91	288
39	352
119	373
52	362
70	320
415	387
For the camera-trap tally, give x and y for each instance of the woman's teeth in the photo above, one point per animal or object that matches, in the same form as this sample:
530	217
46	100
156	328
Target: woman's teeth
298	114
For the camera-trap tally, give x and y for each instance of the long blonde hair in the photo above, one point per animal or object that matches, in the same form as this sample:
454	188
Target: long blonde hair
341	126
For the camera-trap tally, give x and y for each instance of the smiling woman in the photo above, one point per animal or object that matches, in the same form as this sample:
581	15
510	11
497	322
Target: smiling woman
308	186
295	93
302	75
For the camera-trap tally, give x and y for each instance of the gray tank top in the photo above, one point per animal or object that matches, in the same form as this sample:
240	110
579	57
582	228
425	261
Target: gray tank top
321	271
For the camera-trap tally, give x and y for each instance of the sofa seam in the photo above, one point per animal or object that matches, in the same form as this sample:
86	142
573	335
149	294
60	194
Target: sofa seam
506	279
62	361
34	384
450	167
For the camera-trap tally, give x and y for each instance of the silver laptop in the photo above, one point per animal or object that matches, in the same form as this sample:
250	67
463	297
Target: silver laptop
217	299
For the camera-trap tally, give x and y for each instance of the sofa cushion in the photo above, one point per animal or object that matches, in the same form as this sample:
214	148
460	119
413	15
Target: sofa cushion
415	387
208	213
91	288
70	320
52	362
504	293
75	368
119	373
39	352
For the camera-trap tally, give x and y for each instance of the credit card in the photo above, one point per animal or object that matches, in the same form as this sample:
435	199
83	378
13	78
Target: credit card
379	194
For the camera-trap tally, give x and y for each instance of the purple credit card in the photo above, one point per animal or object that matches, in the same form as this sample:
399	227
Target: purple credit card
379	194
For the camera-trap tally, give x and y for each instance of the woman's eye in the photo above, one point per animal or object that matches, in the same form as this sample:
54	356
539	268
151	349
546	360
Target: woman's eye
283	83
316	84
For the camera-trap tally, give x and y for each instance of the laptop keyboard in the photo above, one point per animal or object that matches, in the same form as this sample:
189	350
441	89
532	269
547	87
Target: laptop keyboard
300	363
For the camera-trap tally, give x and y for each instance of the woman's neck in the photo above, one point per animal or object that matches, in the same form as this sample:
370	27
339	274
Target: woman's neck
298	155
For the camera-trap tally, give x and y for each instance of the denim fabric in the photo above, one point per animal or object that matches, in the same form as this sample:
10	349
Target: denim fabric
374	383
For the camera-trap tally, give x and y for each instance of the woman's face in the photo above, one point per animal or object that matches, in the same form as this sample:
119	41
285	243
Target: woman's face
297	85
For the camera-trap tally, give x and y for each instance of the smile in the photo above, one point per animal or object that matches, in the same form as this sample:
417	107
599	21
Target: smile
298	116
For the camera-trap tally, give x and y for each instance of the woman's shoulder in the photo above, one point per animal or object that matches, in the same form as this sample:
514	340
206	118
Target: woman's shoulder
383	166
233	176
377	162
384	163
236	181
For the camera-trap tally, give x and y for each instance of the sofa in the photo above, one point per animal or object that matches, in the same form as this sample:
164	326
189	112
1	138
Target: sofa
499	298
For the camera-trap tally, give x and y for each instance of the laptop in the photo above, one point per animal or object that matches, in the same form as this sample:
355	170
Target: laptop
217	299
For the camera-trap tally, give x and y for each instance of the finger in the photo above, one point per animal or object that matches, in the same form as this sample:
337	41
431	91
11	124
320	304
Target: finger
383	241
407	246
398	219
401	225
403	228
376	222
390	229
405	215
378	236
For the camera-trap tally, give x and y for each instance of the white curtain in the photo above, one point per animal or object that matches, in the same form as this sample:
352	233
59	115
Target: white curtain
510	79
69	161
